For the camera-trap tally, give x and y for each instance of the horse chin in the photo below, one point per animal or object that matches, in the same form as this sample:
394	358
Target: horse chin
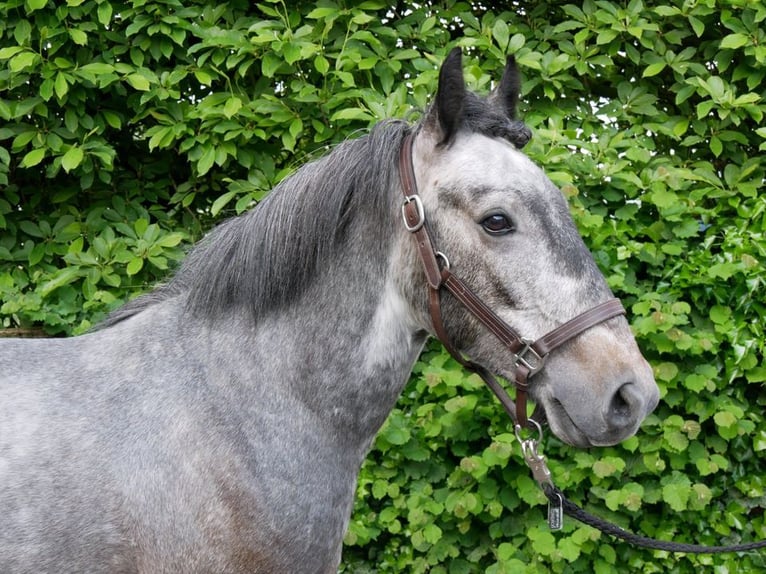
564	428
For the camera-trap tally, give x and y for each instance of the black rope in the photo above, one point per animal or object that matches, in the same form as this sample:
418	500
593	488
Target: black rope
571	509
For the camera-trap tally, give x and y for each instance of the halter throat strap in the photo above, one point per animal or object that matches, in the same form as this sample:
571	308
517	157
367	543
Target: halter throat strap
527	356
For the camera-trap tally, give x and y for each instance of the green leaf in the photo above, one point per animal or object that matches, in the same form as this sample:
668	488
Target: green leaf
35	4
31	229
322	13
78	36
138	82
608	466
756	375
666	371
232	106
676	494
60	278
432	533
104	12
112	119
501	33
291	52
134	266
206	161
10	51
60	85
734	41
72	158
352	114
606	36
716	146
221	202
543	542
97	68
321	64
22	61
725	419
203	77
517	43
270	64
653	69
33	157
697	25
720	314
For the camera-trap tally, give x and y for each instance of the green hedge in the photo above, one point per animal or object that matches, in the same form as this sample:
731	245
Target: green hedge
127	129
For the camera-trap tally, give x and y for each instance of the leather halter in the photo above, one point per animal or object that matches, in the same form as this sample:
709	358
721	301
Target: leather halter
527	356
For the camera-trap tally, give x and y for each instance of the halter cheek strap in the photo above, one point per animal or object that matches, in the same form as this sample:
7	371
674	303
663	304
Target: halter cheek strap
527	356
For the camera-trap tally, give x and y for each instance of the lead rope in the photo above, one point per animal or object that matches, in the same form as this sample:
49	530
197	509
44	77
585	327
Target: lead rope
559	505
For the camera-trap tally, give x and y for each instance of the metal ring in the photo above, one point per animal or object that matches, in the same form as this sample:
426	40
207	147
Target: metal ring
517	429
444	258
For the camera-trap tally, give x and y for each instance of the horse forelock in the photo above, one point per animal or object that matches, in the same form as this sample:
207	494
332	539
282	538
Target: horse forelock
487	117
265	258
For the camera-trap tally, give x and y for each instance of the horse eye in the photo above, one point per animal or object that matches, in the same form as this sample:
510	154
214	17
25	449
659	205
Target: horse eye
497	224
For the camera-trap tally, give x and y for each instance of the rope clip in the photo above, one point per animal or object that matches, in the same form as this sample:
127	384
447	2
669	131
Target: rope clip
542	474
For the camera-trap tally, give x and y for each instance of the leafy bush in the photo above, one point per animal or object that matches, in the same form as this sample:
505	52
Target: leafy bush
129	128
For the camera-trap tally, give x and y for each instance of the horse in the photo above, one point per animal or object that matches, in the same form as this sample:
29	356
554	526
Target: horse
217	424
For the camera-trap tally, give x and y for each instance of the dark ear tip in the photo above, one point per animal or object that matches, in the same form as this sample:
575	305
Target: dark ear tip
454	58
450	94
510	87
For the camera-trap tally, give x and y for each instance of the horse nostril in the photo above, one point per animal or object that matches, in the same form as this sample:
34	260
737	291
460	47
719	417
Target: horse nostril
622	410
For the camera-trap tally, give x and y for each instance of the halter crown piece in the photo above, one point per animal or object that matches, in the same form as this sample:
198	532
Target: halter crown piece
526	356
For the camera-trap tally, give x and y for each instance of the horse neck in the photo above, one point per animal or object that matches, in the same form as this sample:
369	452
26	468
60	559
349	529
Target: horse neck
332	362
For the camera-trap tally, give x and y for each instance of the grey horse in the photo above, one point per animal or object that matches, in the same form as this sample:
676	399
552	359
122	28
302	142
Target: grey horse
217	424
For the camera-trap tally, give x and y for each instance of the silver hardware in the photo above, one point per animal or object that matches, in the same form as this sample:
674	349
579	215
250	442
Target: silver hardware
420	211
537	360
444	259
541	473
529	442
556	513
535	461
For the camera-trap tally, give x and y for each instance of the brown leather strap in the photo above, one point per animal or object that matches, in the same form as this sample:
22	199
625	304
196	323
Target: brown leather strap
502	330
573	327
517	410
414	215
527	356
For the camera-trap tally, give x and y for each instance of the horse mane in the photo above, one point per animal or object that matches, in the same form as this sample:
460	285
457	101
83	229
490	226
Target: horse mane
265	258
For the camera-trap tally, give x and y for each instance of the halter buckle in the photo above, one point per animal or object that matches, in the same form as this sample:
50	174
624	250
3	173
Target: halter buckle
526	353
419	211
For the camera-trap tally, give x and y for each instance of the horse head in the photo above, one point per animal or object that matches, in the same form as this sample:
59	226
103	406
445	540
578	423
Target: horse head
506	230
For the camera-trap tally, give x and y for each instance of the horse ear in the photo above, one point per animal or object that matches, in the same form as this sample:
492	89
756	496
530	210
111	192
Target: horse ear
506	94
450	96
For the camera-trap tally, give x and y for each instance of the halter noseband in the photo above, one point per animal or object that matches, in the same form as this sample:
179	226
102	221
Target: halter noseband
527	356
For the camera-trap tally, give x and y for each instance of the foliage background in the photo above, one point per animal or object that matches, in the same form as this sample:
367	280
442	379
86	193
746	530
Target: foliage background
129	128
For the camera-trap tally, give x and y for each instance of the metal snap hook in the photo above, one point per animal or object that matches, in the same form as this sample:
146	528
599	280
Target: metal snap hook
535	461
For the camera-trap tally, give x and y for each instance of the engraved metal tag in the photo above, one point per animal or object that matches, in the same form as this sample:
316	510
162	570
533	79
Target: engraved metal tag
556	513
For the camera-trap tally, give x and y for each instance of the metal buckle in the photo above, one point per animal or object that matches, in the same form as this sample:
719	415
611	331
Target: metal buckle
420	211
521	357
